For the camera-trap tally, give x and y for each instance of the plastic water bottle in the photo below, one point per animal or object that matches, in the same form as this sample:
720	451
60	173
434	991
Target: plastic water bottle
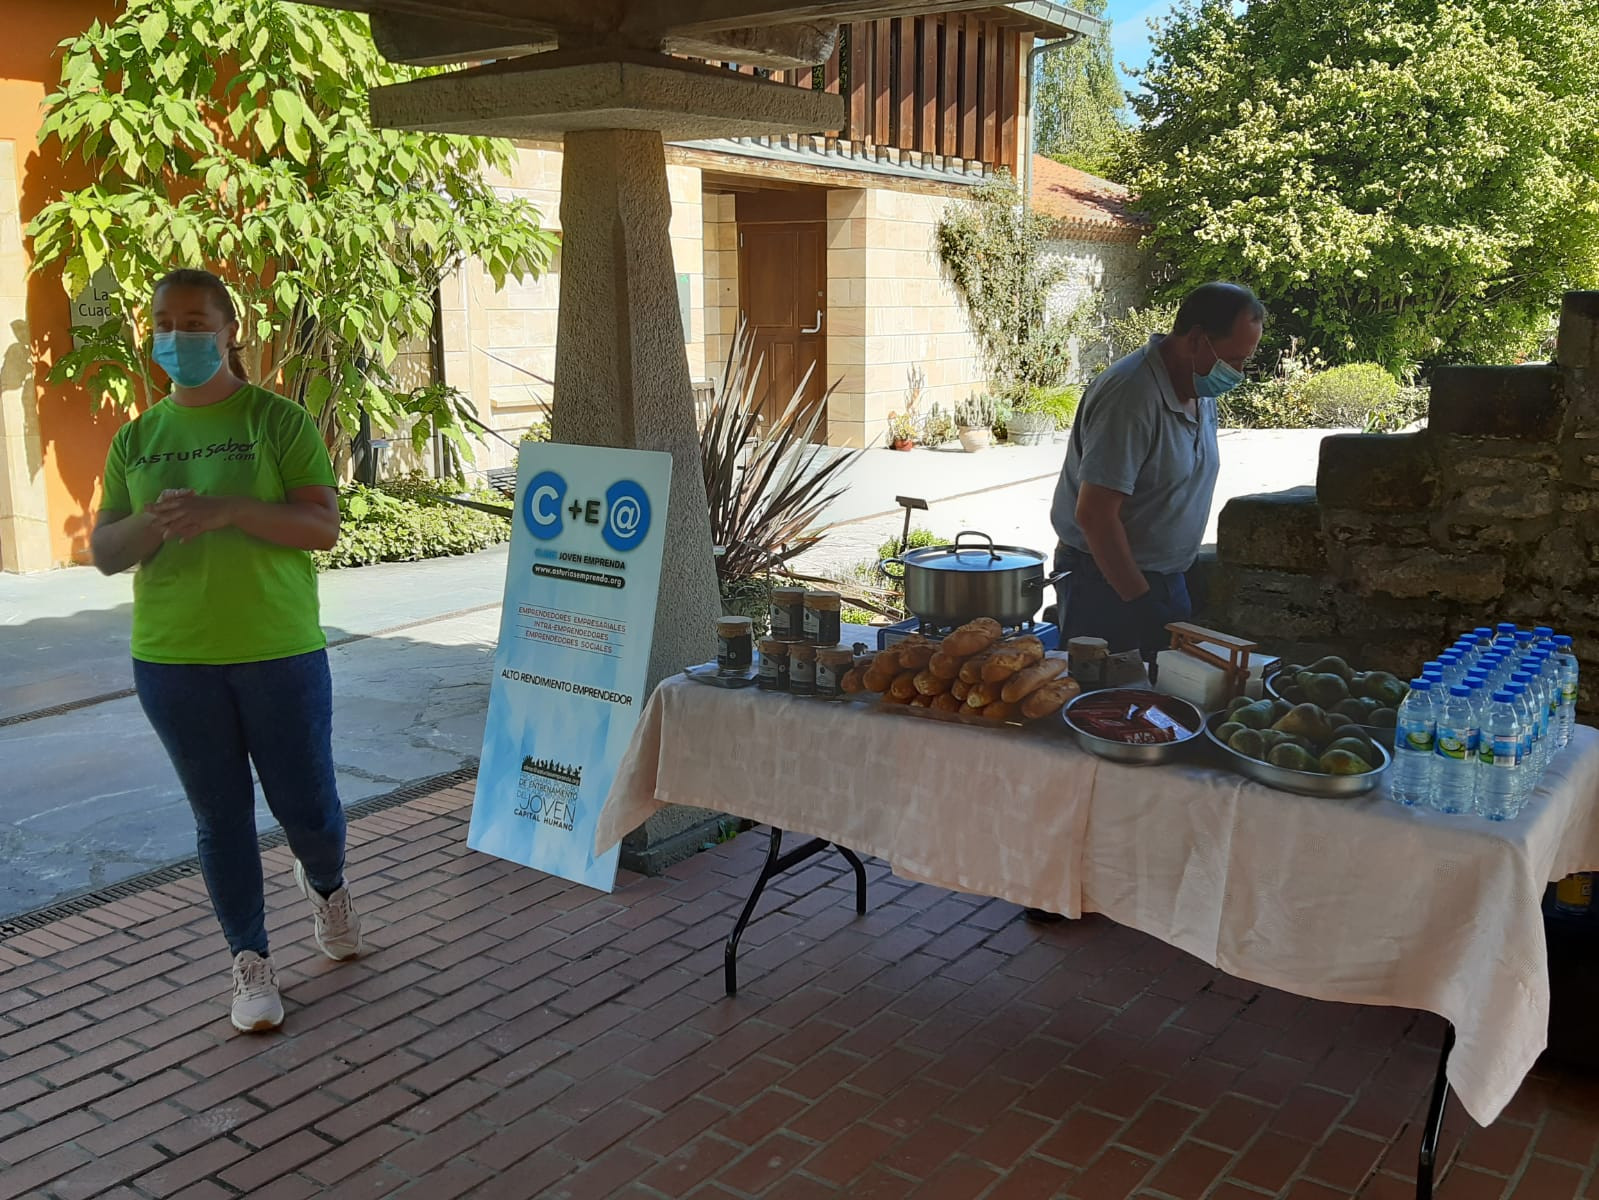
1566	667
1549	694
1548	685
1499	779
1454	668
1456	752
1504	632
1528	682
1415	739
1551	682
1518	701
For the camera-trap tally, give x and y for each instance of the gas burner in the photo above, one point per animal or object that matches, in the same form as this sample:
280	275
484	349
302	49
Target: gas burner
1044	631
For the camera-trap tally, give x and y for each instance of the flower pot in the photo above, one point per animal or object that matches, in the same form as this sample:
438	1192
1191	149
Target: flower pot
904	443
975	439
1031	429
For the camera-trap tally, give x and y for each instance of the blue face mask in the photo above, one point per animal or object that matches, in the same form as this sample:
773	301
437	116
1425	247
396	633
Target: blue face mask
1219	380
190	360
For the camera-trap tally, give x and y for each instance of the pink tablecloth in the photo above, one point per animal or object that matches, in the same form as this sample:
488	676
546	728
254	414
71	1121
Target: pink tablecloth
1358	901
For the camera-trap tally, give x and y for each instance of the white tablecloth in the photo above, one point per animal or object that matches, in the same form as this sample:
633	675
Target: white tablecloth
1358	901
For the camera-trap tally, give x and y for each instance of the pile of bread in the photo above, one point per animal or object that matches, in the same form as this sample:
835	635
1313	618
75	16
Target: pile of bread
973	672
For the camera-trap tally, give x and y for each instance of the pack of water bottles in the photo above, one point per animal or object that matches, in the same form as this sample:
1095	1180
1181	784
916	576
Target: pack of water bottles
1483	721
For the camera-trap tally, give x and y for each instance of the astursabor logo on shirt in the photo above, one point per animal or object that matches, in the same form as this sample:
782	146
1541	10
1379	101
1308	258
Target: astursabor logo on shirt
228	451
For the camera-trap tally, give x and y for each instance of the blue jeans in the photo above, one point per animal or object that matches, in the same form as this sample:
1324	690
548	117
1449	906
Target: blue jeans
1090	607
214	722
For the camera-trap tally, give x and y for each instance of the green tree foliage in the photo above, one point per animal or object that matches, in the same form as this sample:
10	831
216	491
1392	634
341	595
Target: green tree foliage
1079	105
1402	180
233	134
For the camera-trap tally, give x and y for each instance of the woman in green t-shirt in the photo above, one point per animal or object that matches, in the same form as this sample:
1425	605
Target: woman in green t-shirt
218	494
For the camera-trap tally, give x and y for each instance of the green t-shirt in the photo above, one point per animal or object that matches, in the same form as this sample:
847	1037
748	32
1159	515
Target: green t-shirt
225	596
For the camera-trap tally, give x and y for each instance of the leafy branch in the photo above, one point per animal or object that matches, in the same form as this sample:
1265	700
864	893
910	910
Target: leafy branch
233	134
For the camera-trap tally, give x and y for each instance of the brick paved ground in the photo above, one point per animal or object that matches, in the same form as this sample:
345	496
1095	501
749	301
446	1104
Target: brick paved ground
513	1036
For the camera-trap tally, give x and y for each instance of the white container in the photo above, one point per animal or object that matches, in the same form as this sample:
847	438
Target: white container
1202	684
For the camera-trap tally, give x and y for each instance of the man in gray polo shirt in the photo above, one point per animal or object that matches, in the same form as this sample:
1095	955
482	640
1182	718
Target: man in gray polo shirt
1134	495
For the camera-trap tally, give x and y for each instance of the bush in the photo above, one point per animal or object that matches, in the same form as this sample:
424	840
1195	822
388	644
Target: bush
409	519
1345	396
1059	402
1130	331
1407	407
749	597
1357	396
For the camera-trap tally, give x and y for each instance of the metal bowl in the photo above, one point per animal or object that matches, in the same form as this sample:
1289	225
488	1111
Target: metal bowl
1138	755
1303	783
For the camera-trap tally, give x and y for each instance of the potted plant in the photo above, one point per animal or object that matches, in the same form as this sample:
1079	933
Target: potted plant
902	430
1030	424
974	422
937	428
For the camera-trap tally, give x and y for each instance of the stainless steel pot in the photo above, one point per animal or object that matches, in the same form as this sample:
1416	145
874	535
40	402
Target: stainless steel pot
950	585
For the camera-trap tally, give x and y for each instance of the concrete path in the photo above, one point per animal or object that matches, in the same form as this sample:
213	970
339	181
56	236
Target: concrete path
89	796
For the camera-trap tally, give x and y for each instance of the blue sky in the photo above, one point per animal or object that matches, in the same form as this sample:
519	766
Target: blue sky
1129	31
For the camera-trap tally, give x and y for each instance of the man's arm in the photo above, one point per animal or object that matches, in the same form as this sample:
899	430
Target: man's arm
1099	516
307	519
121	540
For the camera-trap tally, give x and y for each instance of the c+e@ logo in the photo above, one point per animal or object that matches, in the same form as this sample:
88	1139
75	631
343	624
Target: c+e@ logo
623	515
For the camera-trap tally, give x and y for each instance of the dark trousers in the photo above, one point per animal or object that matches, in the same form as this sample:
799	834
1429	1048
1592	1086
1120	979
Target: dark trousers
1090	607
215	721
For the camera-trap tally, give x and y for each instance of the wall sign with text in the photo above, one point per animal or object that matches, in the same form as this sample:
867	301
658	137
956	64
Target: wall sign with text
574	652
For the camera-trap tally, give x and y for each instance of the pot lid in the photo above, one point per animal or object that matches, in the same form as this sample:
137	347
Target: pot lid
974	552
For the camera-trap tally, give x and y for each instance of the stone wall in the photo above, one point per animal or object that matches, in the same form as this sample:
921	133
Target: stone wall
1490	513
1114	273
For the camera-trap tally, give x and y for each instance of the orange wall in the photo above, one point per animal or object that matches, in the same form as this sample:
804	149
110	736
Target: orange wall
74	442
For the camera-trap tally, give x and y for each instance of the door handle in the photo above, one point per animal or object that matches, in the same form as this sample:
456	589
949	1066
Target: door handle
817	328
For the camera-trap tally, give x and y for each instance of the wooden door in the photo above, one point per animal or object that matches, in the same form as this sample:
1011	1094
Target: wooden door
783	294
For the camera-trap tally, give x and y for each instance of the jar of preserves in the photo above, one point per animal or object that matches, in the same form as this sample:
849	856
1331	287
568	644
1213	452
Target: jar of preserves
788	613
822	618
832	664
773	665
735	645
802	669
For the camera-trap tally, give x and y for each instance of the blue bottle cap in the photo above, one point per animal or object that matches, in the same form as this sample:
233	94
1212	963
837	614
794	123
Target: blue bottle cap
1475	680
1424	684
1460	692
1449	657
1563	640
1502	697
1483	631
1543	631
1506	627
1521	677
1517	688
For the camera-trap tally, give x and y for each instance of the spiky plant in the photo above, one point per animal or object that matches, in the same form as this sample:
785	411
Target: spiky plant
767	481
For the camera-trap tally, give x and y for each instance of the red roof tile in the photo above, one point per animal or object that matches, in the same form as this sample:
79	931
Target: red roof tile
1087	203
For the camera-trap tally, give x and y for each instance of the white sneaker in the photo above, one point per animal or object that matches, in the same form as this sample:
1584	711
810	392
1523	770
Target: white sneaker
257	1007
338	925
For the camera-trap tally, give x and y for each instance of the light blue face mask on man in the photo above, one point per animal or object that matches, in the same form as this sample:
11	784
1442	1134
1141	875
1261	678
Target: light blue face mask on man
190	359
1220	379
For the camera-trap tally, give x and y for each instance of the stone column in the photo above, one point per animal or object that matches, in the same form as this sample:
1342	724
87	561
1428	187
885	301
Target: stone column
621	373
622	379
